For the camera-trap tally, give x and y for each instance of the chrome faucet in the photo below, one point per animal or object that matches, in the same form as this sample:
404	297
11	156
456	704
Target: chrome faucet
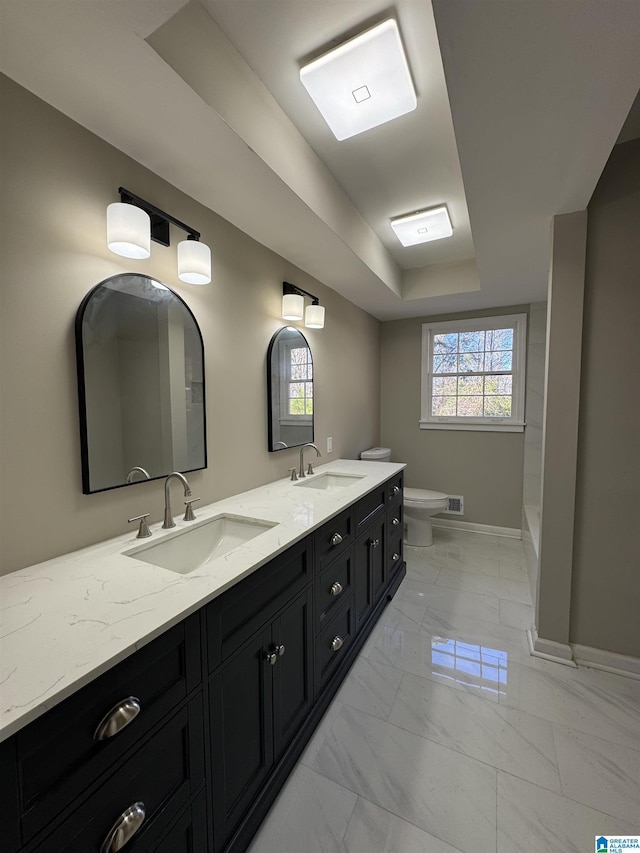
137	470
168	518
310	471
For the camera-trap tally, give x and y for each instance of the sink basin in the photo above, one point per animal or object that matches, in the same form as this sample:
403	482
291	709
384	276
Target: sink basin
187	550
330	481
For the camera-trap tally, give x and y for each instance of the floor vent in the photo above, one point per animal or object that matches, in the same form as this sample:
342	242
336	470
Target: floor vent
456	505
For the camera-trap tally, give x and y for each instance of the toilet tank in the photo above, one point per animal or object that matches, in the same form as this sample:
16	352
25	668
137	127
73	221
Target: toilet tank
377	454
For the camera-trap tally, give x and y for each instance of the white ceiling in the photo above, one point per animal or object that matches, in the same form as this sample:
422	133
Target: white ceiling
536	91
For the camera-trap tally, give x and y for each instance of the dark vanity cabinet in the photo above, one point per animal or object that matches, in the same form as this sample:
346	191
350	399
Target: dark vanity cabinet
184	745
370	548
126	749
263	690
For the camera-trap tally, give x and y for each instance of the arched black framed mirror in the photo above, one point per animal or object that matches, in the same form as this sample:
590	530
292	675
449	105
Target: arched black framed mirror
140	383
289	390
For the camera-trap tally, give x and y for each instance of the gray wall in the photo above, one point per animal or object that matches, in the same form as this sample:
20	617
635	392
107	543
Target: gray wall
57	182
485	467
560	429
534	403
606	573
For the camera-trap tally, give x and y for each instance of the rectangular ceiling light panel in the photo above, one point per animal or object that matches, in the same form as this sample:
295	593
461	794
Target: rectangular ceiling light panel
423	226
362	83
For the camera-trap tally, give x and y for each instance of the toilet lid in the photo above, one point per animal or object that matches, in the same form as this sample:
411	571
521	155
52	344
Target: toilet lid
423	497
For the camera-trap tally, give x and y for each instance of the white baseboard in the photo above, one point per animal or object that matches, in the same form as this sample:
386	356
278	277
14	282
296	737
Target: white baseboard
470	527
549	649
608	661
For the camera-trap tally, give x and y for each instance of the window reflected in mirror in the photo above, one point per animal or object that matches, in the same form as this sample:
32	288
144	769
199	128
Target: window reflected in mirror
290	390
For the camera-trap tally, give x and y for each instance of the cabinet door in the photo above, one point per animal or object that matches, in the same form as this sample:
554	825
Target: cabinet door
241	703
377	553
293	671
369	569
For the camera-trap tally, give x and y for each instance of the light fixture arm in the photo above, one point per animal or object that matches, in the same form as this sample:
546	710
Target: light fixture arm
292	288
160	219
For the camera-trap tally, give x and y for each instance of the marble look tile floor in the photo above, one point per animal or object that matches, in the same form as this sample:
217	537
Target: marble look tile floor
448	737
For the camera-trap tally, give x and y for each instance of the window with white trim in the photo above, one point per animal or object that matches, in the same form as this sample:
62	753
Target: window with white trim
473	374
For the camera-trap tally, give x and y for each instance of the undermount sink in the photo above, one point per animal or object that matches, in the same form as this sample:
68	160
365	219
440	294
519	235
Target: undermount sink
330	480
189	549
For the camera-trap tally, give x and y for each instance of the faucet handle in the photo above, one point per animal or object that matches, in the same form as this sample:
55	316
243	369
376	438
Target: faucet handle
292	471
310	469
143	529
188	513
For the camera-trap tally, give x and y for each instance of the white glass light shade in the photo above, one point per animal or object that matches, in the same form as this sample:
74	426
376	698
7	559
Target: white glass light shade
314	317
292	306
363	82
423	226
128	230
194	262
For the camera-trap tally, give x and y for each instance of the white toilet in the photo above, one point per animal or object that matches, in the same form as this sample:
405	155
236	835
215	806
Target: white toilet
418	504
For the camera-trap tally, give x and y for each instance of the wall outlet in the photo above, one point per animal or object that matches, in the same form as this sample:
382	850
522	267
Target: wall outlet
330	445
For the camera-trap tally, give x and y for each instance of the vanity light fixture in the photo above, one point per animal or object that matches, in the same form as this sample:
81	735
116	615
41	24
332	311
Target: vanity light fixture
128	231
423	226
362	83
133	222
293	306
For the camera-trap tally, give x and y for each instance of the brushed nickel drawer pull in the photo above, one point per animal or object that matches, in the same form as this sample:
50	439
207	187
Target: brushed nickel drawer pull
337	643
395	522
336	588
118	718
124	828
336	539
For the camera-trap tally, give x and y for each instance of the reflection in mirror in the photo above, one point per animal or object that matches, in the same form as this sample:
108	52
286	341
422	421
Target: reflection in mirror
290	390
140	383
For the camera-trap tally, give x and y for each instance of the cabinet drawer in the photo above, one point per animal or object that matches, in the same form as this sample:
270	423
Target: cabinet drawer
394	491
395	518
240	612
162	775
333	538
333	587
394	552
59	756
332	644
187	835
368	506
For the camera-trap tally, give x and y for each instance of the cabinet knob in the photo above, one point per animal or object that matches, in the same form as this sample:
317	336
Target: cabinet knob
280	649
124	828
271	657
374	543
336	539
395	522
395	490
117	718
395	557
336	643
336	588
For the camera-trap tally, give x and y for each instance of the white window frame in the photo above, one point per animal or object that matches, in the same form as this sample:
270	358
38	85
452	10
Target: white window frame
288	419
515	423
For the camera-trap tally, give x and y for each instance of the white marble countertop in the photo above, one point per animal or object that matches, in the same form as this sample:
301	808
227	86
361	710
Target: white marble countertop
66	621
